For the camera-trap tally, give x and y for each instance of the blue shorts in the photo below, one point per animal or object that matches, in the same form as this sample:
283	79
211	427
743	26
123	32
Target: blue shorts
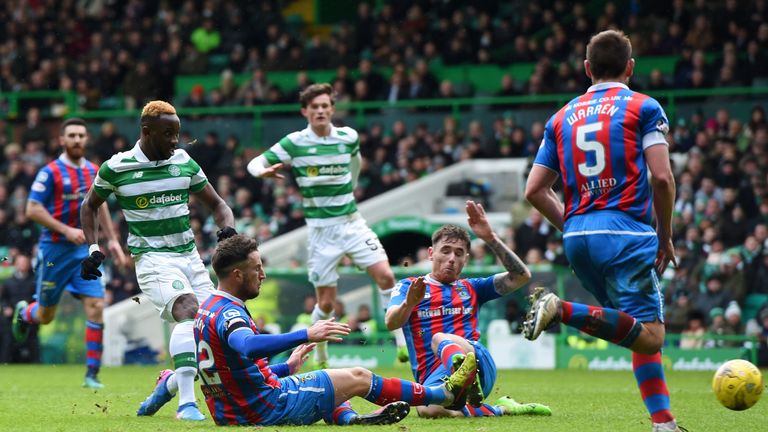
301	400
58	267
485	365
613	256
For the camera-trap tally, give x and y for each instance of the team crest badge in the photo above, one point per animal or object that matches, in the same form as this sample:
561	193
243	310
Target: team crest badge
342	148
177	285
463	293
312	171
174	170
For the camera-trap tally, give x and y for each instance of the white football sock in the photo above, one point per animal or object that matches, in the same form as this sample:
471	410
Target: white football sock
182	349
321	350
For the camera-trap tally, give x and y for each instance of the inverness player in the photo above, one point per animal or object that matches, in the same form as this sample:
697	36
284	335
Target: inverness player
242	388
326	162
152	183
54	202
602	144
438	314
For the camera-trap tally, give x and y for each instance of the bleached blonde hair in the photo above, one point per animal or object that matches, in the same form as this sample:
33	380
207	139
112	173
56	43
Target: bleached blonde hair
156	108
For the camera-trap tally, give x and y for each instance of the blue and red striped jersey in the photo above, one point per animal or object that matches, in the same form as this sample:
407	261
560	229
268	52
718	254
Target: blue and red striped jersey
446	308
596	143
234	385
60	187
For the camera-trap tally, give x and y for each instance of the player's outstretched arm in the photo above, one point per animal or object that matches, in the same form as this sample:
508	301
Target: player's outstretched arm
260	167
517	273
538	192
243	340
222	214
398	314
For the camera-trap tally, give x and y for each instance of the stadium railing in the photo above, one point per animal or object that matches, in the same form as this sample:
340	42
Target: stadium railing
259	126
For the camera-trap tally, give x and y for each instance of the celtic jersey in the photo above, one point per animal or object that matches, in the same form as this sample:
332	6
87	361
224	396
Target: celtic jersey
321	166
154	196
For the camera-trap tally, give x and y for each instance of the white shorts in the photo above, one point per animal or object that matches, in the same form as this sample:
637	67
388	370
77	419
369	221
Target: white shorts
163	277
327	245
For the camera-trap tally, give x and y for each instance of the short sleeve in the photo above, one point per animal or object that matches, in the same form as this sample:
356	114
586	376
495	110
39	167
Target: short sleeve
484	289
547	154
399	292
231	319
42	187
280	152
198	180
102	184
654	125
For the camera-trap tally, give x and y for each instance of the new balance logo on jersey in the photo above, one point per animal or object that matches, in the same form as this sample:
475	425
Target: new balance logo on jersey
138	174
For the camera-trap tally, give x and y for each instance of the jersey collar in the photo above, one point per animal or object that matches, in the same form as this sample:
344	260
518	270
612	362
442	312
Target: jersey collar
70	163
428	279
229	296
606	85
312	133
138	154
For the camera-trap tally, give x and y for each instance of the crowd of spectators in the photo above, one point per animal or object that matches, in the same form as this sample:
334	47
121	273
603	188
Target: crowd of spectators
136	49
106	48
720	219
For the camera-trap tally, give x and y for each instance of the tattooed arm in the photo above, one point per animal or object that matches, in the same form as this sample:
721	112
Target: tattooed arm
517	273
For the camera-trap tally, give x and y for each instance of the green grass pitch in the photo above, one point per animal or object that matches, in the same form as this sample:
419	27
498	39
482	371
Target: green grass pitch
49	398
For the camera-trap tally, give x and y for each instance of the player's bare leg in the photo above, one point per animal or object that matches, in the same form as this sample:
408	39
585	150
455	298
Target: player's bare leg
326	298
361	382
452	350
645	339
181	380
382	273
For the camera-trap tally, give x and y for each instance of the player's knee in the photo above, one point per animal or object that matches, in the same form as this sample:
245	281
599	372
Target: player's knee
386	279
360	373
436	339
326	305
185	307
46	317
649	344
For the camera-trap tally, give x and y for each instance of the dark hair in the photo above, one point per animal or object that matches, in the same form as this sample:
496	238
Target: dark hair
231	252
315	90
76	121
449	231
608	53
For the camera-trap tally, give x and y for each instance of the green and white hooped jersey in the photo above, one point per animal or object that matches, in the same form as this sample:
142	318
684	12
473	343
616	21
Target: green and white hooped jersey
321	166
154	196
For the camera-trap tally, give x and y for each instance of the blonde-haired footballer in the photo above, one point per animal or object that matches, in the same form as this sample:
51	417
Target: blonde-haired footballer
152	183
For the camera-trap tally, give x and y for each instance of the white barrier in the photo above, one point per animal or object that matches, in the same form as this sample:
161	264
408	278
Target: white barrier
513	351
131	323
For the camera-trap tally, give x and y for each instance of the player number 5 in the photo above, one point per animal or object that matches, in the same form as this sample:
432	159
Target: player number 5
590	146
